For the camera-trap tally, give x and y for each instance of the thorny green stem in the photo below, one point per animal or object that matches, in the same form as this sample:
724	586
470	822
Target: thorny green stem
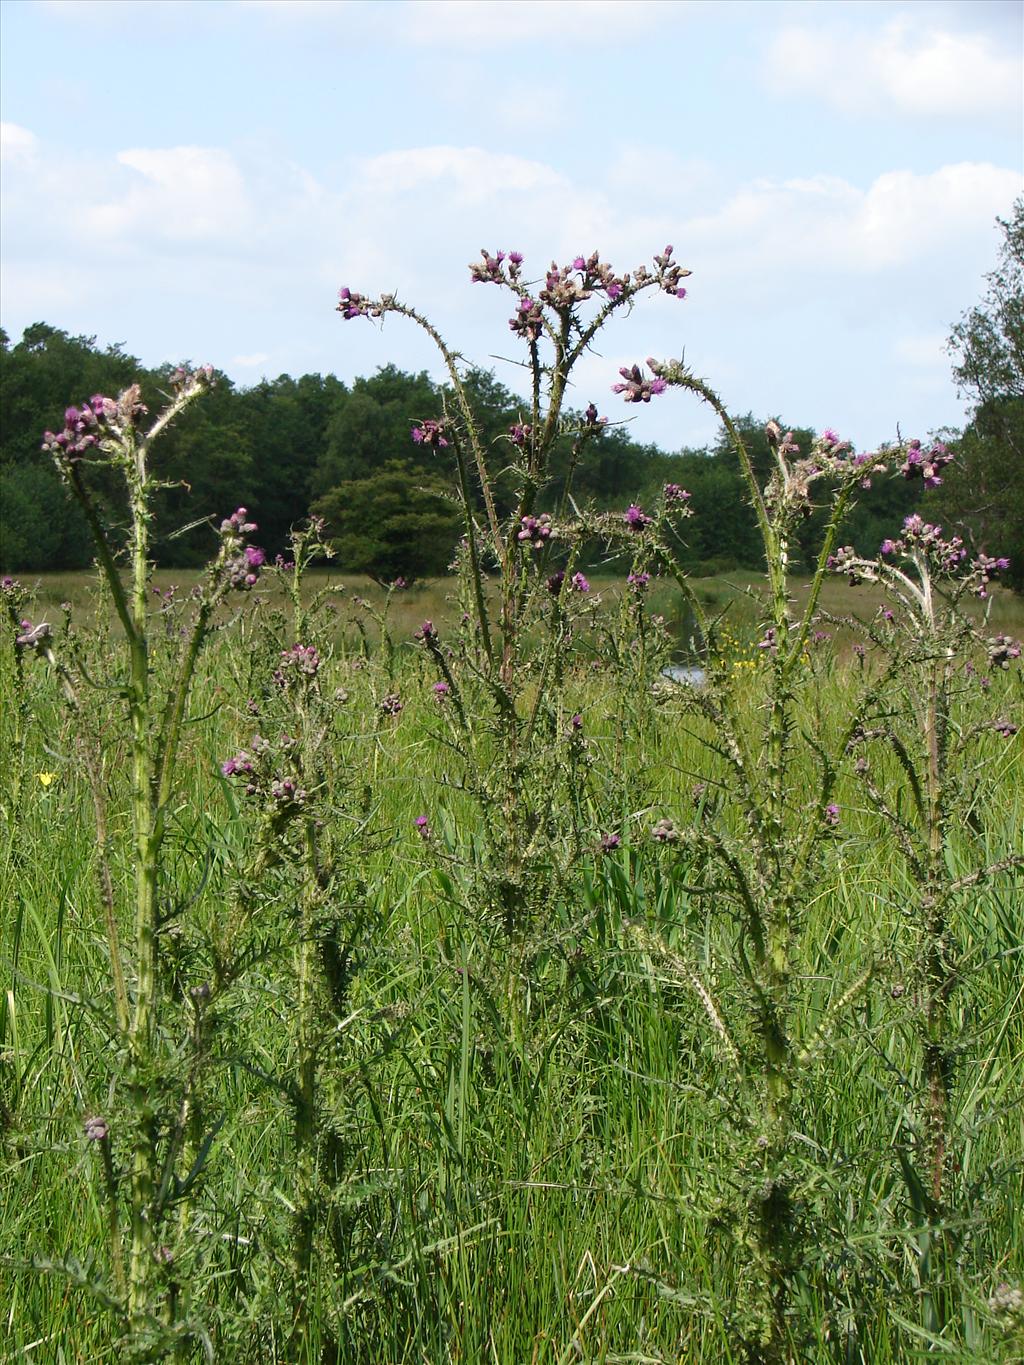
465	408
148	831
304	1089
113	1218
151	777
474	552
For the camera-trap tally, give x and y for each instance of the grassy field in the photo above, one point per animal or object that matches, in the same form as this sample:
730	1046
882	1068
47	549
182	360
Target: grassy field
736	594
546	1183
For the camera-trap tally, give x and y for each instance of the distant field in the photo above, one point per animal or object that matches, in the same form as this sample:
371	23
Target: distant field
735	594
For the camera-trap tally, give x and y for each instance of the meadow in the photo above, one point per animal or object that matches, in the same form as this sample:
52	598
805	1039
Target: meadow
425	975
543	1196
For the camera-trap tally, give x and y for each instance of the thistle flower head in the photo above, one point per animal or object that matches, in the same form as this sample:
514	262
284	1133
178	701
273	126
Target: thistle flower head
430	433
636	387
636	518
535	531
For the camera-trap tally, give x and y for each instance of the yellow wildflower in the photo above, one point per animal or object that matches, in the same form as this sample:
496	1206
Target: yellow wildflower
47	778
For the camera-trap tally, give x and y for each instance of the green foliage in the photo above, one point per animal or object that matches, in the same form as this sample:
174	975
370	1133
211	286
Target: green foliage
40	528
981	493
371	427
284	443
397	523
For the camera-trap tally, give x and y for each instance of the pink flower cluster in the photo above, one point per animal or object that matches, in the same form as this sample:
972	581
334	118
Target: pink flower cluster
919	534
535	530
83	429
491	269
925	464
636	518
353	305
298	664
987	568
577	583
1002	650
673	493
430	433
528	320
243	567
636	387
255	766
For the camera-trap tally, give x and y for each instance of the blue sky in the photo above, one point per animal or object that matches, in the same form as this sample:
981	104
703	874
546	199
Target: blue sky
197	179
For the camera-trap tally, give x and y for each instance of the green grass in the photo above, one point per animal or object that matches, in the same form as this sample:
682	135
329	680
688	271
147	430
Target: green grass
502	1195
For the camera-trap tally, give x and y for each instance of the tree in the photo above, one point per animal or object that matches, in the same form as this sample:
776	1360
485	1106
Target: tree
371	426
40	526
397	523
981	496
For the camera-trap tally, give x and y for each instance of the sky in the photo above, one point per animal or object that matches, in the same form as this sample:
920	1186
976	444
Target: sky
197	178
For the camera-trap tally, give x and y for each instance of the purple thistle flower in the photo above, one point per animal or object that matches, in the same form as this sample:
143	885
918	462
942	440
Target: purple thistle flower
832	814
579	583
609	843
441	690
430	433
489	271
422	825
636	388
352	305
535	530
96	1129
1002	649
674	493
636	518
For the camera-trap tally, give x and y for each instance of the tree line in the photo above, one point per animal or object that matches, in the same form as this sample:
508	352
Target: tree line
286	447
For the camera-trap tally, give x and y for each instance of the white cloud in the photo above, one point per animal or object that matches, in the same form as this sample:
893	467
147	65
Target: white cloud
472	173
196	251
929	72
185	194
16	143
825	223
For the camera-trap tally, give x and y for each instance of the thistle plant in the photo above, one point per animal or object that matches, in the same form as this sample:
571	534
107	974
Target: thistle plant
154	688
922	721
753	849
505	679
296	776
